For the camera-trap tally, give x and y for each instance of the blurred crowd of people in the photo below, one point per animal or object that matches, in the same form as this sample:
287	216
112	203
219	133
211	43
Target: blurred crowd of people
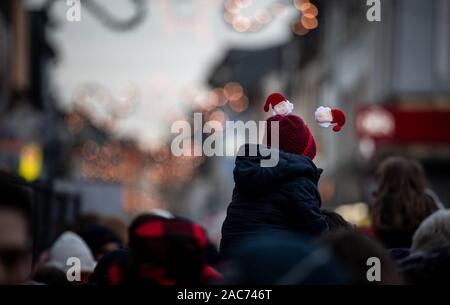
410	235
275	231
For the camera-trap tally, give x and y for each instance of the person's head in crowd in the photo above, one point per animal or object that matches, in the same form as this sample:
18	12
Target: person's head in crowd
15	230
115	268
69	245
433	233
336	222
354	249
162	213
169	251
50	276
212	255
273	258
429	260
100	239
117	225
401	202
85	220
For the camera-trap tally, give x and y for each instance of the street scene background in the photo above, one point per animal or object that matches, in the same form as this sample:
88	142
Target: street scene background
86	107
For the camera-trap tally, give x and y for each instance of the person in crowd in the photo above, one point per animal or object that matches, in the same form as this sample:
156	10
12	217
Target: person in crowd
433	232
15	230
336	222
212	255
100	239
85	220
162	212
50	276
429	260
117	225
284	197
353	250
115	268
70	245
401	202
279	258
427	267
169	251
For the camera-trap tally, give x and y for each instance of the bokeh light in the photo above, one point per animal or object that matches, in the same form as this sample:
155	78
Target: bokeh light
309	23
298	28
309	10
298	3
218	116
241	24
233	91
263	15
239	105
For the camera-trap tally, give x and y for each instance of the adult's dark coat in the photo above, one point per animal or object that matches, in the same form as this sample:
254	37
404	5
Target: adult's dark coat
430	267
281	198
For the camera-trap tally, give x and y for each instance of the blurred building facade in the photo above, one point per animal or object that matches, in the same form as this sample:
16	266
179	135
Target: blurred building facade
398	70
30	125
391	78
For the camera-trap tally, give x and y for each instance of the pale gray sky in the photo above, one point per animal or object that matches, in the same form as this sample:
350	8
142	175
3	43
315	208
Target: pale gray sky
162	58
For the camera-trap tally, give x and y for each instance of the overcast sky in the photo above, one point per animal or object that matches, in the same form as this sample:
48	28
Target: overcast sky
162	56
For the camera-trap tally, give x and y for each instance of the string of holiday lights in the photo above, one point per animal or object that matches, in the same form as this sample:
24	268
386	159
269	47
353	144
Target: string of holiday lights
262	17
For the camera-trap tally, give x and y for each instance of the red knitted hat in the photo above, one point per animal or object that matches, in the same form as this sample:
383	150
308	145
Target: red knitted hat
294	135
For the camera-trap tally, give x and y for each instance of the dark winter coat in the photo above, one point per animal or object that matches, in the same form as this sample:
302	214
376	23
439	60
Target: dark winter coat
282	198
431	267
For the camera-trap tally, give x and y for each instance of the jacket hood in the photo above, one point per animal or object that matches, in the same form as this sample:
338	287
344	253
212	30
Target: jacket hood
249	173
70	245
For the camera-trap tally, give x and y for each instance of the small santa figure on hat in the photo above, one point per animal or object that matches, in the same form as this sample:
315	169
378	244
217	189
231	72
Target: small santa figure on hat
326	117
280	104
